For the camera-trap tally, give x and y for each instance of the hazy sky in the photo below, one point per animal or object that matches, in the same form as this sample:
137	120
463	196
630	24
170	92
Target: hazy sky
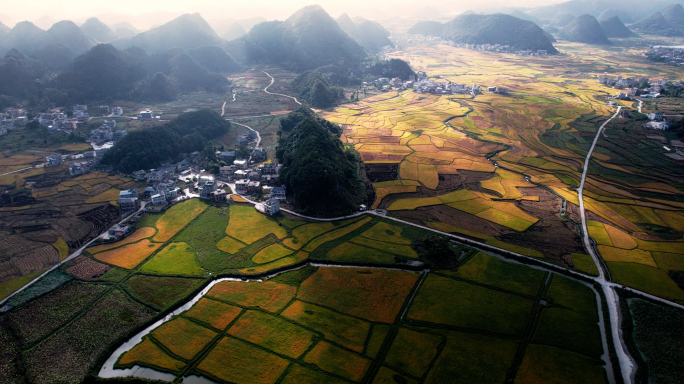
78	10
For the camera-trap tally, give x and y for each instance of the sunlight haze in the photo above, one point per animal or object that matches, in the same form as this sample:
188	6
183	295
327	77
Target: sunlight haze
150	13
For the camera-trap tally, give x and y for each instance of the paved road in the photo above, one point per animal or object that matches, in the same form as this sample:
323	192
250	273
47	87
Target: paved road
17	171
627	364
279	94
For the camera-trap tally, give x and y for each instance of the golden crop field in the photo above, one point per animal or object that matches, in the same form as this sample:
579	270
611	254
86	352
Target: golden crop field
514	158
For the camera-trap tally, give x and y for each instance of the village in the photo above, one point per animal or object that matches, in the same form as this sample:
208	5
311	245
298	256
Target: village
668	55
421	83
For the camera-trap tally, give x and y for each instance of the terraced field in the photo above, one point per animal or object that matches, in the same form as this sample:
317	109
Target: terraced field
49	215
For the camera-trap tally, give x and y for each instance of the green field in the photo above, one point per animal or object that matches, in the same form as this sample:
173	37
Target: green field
174	259
330	323
473	307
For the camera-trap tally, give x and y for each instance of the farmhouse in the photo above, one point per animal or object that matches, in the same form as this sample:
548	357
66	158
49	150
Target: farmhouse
270	207
242	186
278	193
119	230
660	125
655	116
218	195
54	160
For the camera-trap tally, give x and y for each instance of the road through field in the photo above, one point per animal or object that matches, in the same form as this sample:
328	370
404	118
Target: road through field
612	299
278	94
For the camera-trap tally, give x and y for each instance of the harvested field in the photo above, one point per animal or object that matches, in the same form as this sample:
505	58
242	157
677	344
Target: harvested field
87	269
40	317
67	356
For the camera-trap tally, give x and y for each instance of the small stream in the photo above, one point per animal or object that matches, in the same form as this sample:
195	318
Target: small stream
109	371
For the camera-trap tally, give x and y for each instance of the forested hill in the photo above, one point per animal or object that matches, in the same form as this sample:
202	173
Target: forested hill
497	29
320	173
307	40
148	148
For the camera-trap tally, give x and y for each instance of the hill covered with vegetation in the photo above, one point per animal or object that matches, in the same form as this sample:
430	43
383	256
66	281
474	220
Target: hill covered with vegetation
585	29
427	28
320	173
614	27
148	148
185	32
493	29
307	40
369	34
315	89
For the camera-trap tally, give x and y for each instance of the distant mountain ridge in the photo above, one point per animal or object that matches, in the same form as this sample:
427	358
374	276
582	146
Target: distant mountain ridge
71	35
369	34
658	24
185	32
98	31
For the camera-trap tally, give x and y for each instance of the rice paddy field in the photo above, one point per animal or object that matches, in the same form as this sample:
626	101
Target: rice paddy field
503	169
346	325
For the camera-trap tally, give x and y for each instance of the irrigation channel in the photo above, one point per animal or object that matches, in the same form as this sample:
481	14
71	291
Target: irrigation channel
108	369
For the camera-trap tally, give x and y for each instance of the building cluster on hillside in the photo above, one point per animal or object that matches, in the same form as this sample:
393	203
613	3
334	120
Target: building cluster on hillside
248	137
162	193
498	48
11	118
107	132
668	55
250	180
632	87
